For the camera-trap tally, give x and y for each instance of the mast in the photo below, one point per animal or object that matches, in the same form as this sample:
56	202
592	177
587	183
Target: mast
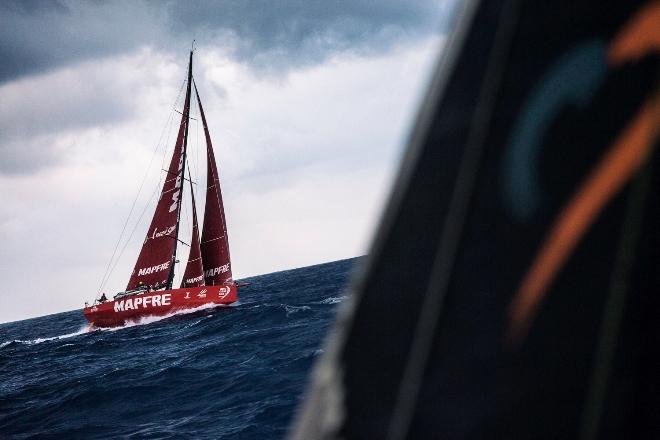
186	117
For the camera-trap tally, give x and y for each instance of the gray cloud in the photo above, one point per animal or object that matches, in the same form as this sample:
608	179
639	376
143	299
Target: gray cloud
272	37
270	34
26	156
36	36
60	103
36	111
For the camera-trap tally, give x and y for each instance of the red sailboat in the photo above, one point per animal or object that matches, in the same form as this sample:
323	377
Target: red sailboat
207	279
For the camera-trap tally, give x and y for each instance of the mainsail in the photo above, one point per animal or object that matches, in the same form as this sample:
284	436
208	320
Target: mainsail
194	274
155	264
214	243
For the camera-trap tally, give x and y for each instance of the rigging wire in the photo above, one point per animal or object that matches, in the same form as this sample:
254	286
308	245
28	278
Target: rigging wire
108	272
197	174
199	116
137	223
187	210
187	165
189	224
186	213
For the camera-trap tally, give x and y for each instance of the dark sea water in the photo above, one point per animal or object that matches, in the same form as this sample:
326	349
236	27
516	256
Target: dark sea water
231	372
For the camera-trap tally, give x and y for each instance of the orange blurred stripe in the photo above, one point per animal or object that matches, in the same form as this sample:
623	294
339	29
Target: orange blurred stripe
616	168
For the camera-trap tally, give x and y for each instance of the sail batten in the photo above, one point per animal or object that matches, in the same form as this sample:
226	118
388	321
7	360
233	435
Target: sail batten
214	242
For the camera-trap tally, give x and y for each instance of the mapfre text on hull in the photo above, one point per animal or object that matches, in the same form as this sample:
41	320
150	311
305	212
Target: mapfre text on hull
132	308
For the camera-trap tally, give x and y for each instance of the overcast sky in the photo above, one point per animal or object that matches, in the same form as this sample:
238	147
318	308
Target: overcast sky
309	104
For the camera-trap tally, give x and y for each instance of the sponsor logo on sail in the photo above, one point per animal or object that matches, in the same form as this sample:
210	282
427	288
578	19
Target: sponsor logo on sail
144	301
217	270
177	187
194	280
164	232
153	269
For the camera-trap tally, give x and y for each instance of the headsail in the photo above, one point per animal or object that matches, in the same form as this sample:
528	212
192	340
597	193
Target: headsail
215	243
194	274
155	263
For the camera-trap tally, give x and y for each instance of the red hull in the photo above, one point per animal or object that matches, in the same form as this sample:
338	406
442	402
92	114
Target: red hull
158	303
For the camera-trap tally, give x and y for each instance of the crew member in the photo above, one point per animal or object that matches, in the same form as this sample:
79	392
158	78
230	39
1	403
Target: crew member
103	298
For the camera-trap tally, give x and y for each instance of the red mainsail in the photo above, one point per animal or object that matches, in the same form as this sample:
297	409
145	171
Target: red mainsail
215	243
194	274
155	263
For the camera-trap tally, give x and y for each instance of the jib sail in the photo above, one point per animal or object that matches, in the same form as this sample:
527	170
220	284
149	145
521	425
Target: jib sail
214	242
194	273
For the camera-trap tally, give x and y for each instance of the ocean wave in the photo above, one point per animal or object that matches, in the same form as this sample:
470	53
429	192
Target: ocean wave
197	373
83	330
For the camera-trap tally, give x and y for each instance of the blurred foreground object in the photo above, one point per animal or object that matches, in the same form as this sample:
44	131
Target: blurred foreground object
513	287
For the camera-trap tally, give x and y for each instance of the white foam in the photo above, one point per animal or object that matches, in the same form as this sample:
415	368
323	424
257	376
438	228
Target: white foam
333	300
294	309
83	330
87	328
149	319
